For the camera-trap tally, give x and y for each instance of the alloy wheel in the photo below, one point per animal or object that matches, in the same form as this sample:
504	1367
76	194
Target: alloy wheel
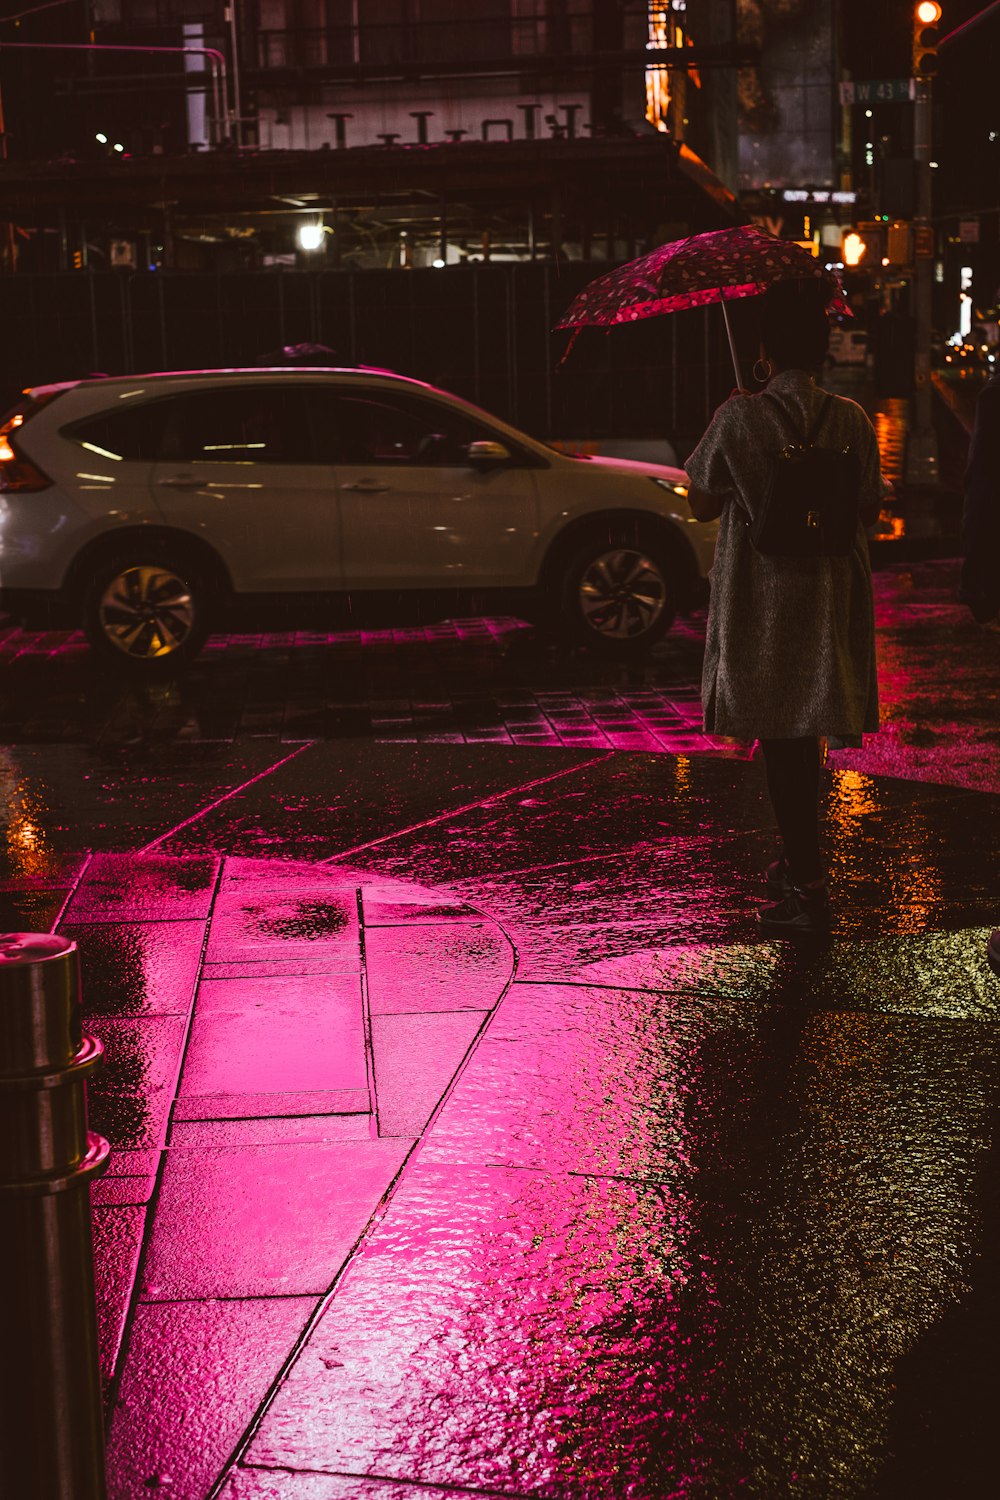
147	612
622	593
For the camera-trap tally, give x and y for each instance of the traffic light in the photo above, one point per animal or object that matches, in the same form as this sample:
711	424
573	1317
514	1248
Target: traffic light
863	246
899	244
926	16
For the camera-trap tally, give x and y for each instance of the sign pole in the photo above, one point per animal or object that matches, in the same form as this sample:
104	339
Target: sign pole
922	457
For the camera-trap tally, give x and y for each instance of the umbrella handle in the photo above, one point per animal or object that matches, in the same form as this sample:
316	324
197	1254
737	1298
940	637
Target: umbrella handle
732	346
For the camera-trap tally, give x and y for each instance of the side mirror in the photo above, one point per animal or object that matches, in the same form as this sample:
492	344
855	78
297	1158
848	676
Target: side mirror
485	452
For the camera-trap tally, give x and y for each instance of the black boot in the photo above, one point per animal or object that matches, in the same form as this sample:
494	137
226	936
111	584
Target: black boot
777	880
804	912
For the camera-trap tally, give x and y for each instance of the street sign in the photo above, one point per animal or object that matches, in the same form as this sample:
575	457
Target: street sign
968	231
924	241
878	90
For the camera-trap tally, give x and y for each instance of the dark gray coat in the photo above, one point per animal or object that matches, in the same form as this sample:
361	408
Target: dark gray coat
791	641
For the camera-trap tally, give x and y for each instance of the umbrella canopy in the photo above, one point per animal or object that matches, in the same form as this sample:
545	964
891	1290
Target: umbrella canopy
720	266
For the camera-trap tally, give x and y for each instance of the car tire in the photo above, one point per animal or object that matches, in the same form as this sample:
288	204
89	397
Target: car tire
618	592
147	612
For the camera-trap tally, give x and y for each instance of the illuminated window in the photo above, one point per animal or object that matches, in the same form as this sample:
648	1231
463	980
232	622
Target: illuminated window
662	28
965	302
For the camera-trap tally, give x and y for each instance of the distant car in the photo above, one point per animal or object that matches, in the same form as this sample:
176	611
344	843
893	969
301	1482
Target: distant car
971	358
848	346
144	506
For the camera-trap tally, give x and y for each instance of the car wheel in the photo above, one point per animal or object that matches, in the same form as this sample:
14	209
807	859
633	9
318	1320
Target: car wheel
145	612
618	593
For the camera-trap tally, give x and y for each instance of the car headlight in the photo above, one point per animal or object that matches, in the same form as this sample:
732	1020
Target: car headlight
673	485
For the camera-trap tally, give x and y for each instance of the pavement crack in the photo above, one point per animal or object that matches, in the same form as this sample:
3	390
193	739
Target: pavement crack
456	812
72	891
211	806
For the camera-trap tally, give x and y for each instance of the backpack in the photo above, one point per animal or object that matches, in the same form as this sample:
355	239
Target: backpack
810	504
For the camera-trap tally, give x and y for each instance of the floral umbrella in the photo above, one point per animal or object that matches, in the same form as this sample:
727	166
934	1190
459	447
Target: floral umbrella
720	266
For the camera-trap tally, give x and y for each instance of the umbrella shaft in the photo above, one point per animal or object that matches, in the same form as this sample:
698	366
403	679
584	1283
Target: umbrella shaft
732	345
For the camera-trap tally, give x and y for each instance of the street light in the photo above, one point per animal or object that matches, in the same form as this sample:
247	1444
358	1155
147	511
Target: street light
311	236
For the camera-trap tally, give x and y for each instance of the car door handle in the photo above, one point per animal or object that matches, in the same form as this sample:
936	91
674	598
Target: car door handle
366	487
182	482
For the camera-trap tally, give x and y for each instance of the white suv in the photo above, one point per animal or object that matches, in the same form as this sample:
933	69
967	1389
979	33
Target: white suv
143	505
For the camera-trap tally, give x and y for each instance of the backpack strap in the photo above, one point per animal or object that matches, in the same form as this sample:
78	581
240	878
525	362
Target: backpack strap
813	432
789	426
790	430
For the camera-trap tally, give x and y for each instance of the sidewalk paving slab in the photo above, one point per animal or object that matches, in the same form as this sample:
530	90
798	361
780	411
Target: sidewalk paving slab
118	1234
131	1096
195	1374
232	1107
137	969
270	1484
259	1221
415	1057
420	967
152	888
274	1130
282	1034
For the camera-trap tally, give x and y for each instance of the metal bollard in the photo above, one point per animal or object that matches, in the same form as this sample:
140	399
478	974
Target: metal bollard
51	1427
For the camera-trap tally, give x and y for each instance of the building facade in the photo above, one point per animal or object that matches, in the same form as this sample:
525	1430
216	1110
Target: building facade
496	151
489	130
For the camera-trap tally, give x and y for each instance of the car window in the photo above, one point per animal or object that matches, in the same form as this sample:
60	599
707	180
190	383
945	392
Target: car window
131	432
246	424
369	427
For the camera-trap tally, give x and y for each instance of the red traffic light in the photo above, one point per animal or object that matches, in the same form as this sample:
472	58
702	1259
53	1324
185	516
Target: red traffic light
926	16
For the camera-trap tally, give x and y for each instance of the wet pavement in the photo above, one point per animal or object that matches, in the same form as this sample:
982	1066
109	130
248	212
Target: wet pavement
490	681
468	1142
464	681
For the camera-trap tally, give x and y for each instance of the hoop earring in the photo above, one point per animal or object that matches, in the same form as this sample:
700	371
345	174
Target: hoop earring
762	370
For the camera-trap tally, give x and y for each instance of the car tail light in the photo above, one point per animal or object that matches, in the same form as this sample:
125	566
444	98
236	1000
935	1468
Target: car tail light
16	471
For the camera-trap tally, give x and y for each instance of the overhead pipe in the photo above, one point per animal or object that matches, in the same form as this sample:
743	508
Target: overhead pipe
216	66
234	42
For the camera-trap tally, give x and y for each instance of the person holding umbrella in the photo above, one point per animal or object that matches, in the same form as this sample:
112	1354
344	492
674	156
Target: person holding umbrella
790	653
790	649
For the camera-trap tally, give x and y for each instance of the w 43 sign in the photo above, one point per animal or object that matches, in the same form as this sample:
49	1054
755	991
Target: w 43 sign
878	91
